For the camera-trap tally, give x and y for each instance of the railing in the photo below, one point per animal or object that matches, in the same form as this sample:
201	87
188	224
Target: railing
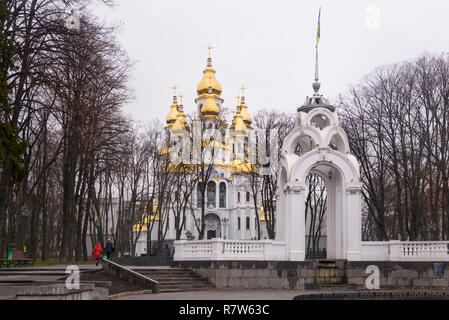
424	250
220	249
396	250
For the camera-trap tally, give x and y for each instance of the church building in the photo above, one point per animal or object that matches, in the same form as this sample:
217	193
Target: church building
230	212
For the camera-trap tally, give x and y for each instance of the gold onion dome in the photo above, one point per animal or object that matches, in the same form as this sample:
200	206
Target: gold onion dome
232	127
237	110
209	80
244	112
210	108
180	123
239	124
173	114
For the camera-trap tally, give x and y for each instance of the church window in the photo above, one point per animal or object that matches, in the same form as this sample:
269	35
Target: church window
211	192
247	196
238	223
238	197
247	223
222	195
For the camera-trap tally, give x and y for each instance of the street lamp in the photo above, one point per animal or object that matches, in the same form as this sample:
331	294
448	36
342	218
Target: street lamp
98	225
25	212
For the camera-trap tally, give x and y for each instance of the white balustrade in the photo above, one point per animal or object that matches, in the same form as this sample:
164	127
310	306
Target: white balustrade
220	249
424	250
396	250
269	250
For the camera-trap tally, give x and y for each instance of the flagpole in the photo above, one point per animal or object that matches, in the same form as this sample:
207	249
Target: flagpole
316	65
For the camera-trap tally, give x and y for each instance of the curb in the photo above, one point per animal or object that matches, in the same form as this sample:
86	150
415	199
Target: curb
129	293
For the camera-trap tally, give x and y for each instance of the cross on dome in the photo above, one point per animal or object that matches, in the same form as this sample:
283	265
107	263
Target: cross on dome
209	47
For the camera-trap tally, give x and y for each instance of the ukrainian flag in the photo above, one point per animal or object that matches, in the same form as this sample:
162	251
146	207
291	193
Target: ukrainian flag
319	28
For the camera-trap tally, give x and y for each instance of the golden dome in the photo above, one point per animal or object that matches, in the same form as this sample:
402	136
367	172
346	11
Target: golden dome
232	127
239	124
209	80
244	112
210	108
173	114
180	123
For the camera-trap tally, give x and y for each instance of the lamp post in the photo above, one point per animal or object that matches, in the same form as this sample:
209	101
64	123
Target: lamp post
25	212
98	225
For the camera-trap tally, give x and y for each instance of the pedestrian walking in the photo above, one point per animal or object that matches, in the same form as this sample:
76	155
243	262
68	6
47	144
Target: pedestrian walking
97	252
109	249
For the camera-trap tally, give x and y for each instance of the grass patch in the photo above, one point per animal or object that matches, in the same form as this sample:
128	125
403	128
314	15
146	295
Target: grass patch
51	262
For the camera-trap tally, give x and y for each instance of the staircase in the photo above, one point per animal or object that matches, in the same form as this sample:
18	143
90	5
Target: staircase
174	279
330	275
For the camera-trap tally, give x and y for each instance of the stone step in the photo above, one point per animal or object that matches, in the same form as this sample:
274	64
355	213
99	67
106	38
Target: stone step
184	285
165	270
168	274
175	279
329	287
185	289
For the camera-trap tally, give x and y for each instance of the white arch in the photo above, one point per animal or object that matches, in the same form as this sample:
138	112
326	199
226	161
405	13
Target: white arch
305	119
340	134
297	134
327	156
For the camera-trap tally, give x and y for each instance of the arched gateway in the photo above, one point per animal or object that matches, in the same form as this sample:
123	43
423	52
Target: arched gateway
318	145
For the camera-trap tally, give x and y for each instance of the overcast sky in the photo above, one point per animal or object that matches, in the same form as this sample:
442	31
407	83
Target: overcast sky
267	46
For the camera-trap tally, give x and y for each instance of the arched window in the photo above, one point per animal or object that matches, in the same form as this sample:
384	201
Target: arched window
238	223
222	195
247	223
211	192
199	195
238	197
247	196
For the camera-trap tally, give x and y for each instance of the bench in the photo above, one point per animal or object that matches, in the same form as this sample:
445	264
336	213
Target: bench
19	259
4	262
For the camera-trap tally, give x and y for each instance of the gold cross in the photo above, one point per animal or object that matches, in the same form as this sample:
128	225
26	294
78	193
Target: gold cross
174	89
243	90
209	47
180	97
238	100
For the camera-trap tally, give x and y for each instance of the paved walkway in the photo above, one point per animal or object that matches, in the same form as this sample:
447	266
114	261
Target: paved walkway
42	273
220	294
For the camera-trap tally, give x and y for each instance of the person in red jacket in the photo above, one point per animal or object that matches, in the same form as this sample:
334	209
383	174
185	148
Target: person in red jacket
97	252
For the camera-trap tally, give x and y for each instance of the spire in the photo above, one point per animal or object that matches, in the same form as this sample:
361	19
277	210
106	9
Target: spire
244	109
173	114
316	100
209	58
234	113
209	78
316	85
